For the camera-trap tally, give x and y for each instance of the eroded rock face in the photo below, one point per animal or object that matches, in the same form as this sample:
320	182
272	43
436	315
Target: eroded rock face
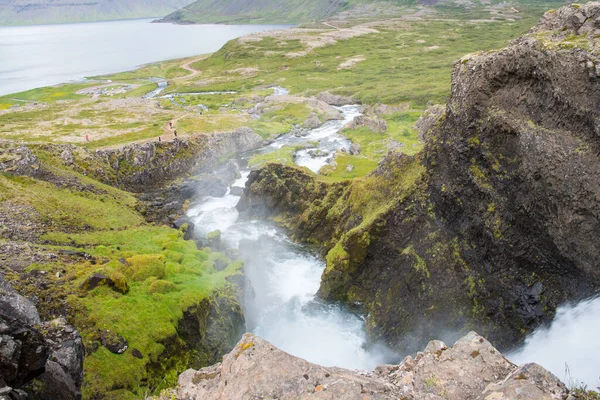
492	226
471	369
54	359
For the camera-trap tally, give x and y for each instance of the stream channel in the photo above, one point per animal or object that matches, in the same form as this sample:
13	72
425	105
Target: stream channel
283	277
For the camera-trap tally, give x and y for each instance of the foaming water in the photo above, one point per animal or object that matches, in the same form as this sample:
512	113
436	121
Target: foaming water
282	277
569	347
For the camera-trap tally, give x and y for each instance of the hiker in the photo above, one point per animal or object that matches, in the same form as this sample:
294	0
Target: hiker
159	139
175	132
170	125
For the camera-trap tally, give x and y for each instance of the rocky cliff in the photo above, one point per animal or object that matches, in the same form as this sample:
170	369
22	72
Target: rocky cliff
471	369
145	297
44	358
490	227
139	167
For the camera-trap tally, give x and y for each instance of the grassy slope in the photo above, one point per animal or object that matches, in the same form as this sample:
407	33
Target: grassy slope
303	11
407	62
165	274
401	67
252	11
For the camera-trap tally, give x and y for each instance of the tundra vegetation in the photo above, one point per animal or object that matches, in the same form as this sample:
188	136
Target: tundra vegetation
395	67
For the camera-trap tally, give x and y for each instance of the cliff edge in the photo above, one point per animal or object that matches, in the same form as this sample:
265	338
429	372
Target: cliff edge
490	228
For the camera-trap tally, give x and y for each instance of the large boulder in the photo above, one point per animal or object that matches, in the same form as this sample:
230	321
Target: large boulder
471	369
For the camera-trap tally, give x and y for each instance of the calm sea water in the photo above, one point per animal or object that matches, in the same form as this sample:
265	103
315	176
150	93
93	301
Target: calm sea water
36	56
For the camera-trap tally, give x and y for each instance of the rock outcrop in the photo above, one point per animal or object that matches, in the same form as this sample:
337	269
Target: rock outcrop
135	167
50	353
490	228
471	369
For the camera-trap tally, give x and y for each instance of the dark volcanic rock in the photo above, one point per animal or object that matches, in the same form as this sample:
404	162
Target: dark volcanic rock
113	342
54	359
23	350
64	368
212	328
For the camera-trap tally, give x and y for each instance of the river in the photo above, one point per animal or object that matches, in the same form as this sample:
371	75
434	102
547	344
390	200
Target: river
283	277
44	55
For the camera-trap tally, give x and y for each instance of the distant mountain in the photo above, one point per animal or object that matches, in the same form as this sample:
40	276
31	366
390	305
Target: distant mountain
27	12
257	11
302	11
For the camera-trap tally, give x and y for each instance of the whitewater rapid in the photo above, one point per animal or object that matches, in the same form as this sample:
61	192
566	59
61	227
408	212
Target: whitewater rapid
282	277
569	347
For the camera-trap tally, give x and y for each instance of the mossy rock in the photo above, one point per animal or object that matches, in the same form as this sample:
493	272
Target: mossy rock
143	266
120	283
162	286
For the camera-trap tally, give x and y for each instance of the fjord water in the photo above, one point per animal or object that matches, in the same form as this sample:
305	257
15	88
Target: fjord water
283	277
43	55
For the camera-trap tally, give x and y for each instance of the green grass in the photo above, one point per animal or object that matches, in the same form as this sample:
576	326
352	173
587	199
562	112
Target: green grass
65	208
147	315
167	69
49	94
398	66
284	155
164	274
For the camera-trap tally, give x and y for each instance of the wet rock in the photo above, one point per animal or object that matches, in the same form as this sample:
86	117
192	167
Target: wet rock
317	153
181	222
214	240
23	350
236	190
336	100
212	327
506	192
113	342
312	121
210	185
231	171
54	359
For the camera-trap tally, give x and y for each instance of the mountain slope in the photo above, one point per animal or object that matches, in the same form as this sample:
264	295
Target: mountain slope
302	11
25	12
257	11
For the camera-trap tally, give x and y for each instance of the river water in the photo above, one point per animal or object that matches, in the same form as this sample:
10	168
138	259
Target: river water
44	55
283	277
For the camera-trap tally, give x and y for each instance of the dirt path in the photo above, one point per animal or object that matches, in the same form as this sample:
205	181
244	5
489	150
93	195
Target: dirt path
329	25
188	67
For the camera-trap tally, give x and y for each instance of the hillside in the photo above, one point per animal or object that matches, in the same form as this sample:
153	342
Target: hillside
304	11
479	217
28	12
